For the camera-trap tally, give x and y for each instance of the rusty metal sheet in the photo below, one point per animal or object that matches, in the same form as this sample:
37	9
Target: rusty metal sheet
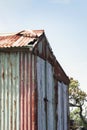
23	38
17	91
9	91
27	92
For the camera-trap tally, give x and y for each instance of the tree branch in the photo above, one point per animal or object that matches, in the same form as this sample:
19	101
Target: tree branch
81	116
73	105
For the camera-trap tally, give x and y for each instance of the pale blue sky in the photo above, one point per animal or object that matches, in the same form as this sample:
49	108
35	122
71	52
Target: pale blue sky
65	25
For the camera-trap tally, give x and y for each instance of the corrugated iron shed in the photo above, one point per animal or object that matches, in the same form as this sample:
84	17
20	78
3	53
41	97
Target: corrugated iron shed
30	39
33	85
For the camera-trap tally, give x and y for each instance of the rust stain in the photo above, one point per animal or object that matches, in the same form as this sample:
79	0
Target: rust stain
3	75
14	78
27	93
15	104
11	122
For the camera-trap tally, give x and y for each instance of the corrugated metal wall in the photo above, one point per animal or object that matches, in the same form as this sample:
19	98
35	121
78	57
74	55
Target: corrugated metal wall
17	91
9	91
46	96
50	97
41	86
52	104
29	101
27	92
62	106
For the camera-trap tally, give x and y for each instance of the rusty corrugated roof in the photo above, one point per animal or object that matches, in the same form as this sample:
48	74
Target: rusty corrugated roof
20	39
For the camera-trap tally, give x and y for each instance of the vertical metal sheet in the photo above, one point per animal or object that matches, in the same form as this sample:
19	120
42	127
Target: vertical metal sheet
62	106
46	103
41	84
65	96
50	97
18	101
27	92
9	91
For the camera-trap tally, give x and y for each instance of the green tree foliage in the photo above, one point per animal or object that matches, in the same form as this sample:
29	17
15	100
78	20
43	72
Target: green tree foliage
74	115
78	99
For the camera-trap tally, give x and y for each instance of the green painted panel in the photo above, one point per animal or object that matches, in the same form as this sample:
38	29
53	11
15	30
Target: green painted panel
9	91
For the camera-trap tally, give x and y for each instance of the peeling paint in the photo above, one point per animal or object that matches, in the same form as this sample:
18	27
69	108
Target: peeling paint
8	88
